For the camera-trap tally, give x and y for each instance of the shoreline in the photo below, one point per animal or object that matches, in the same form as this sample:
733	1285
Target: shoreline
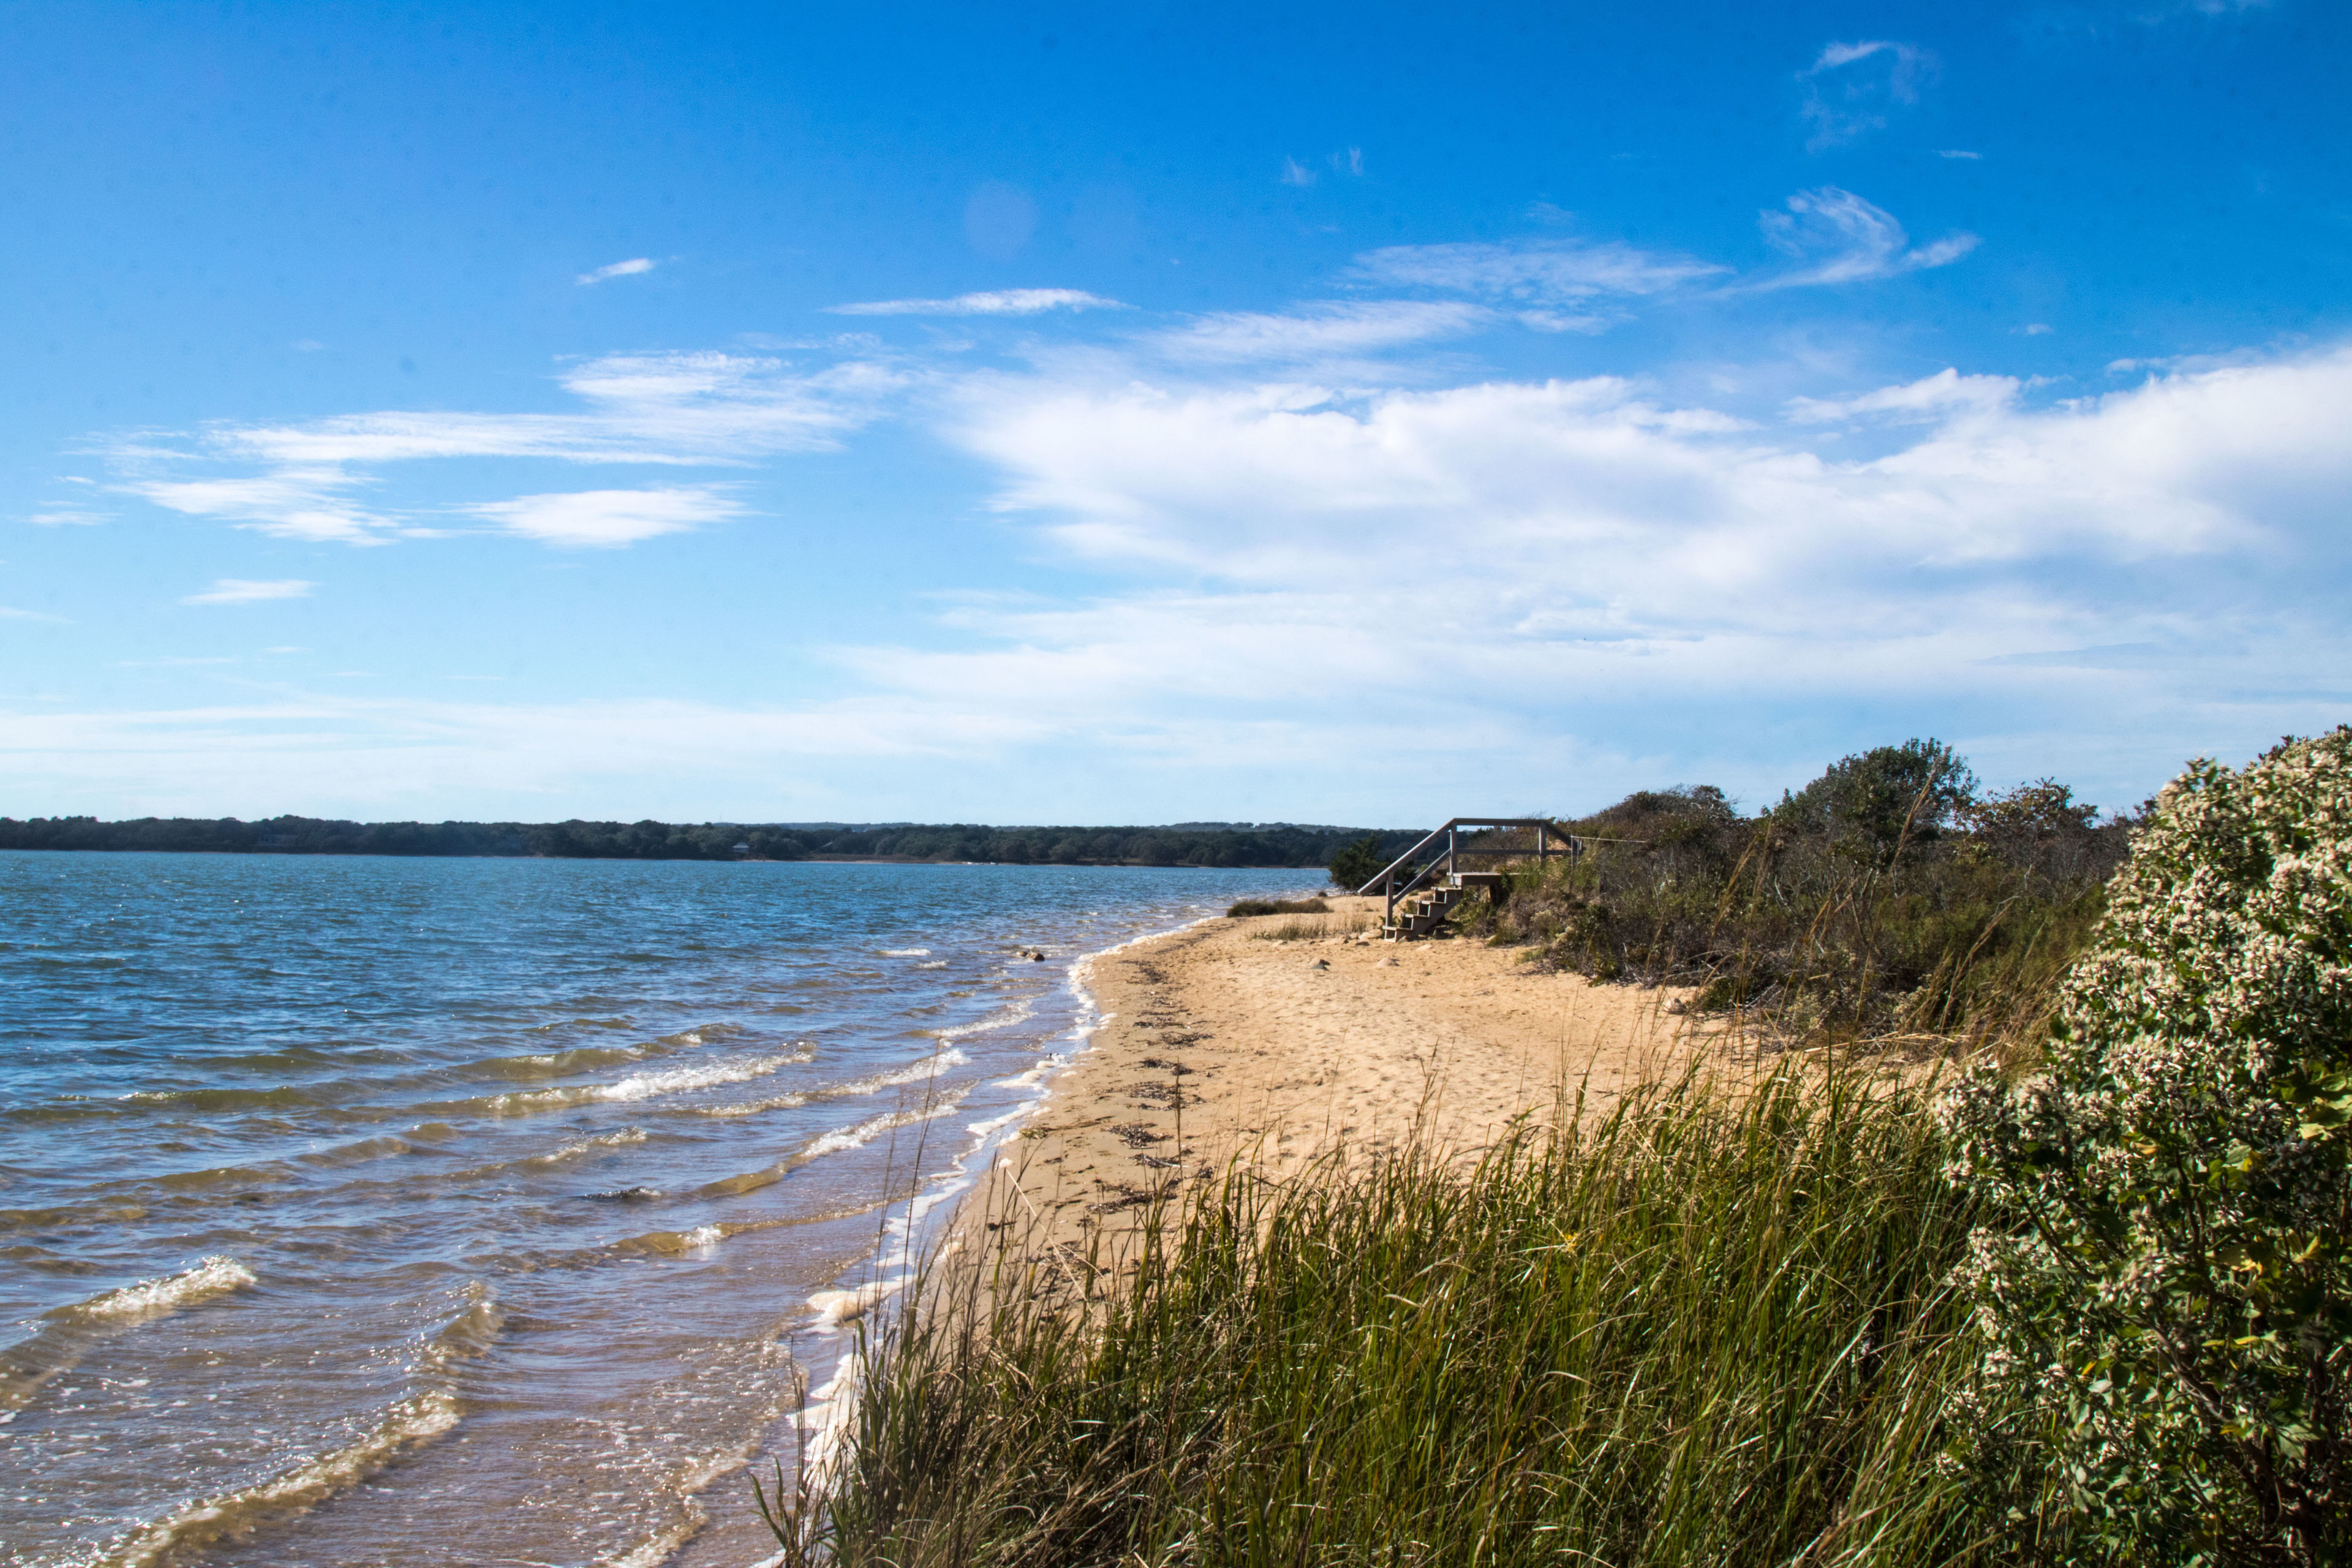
1280	1045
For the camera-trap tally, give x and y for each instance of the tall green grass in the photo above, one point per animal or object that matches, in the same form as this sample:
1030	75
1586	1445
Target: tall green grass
1699	1329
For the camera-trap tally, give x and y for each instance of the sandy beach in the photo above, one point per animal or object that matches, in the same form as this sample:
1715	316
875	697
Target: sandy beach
1233	1043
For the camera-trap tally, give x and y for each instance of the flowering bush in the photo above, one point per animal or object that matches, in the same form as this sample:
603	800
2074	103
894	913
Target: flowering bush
2164	1284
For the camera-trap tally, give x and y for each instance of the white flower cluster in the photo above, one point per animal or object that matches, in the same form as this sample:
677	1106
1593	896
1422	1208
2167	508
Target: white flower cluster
2163	1279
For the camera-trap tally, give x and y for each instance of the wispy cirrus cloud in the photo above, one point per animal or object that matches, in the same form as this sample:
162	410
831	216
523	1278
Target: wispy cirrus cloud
629	269
10	613
1552	284
250	591
1851	88
606	519
1837	237
1317	330
988	302
304	480
1942	395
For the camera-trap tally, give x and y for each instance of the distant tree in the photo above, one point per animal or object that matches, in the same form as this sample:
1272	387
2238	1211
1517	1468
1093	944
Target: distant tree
1867	806
1357	862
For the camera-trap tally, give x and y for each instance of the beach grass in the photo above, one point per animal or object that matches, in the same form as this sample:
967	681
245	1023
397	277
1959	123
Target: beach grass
1314	930
1696	1327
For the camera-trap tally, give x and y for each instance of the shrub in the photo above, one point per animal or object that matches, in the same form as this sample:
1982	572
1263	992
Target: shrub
1358	863
1872	805
1883	899
2167	1289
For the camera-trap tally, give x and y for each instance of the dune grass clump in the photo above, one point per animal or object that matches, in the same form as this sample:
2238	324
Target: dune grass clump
1697	1329
1249	907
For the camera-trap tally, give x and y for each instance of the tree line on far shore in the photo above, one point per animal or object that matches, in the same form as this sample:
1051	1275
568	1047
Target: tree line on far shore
1234	844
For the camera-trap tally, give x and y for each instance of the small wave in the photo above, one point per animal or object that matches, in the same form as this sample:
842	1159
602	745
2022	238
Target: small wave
934	963
1018	1013
412	1422
357	1154
873	1127
930	1065
1035	1078
834	1308
620	1140
754	1106
471	1331
641	1086
152	1298
676	1243
905	953
407	1423
914	1072
70	1331
223	1099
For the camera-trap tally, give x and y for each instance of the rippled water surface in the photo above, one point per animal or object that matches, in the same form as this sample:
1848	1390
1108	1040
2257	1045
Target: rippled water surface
383	1211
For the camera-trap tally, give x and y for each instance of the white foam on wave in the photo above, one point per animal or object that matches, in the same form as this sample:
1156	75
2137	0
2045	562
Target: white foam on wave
913	1072
934	963
70	1331
873	1127
754	1106
930	1065
152	1298
1019	1011
905	953
643	1086
834	1308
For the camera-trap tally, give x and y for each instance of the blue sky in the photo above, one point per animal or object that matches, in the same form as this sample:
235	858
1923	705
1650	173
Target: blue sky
1137	413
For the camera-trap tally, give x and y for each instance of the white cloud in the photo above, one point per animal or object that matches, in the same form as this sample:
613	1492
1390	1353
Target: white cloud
250	591
67	517
608	519
991	303
2037	328
1946	394
1482	578
1840	238
1961	154
670	410
1851	87
1350	161
8	612
628	269
1542	275
1317	330
1437	551
1294	172
292	503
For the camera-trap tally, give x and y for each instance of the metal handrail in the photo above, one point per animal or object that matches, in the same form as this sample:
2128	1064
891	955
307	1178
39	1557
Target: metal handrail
1545	828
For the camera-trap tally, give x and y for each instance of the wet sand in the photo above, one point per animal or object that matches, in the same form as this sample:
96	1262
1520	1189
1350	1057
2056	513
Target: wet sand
1220	1046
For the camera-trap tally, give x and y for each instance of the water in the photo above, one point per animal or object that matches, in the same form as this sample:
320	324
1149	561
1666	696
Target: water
380	1211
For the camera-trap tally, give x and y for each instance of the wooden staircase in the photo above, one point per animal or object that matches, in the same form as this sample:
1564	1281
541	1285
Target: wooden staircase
1424	883
1419	914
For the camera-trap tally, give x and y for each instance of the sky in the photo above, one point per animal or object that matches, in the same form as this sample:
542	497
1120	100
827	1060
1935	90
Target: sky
1139	413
